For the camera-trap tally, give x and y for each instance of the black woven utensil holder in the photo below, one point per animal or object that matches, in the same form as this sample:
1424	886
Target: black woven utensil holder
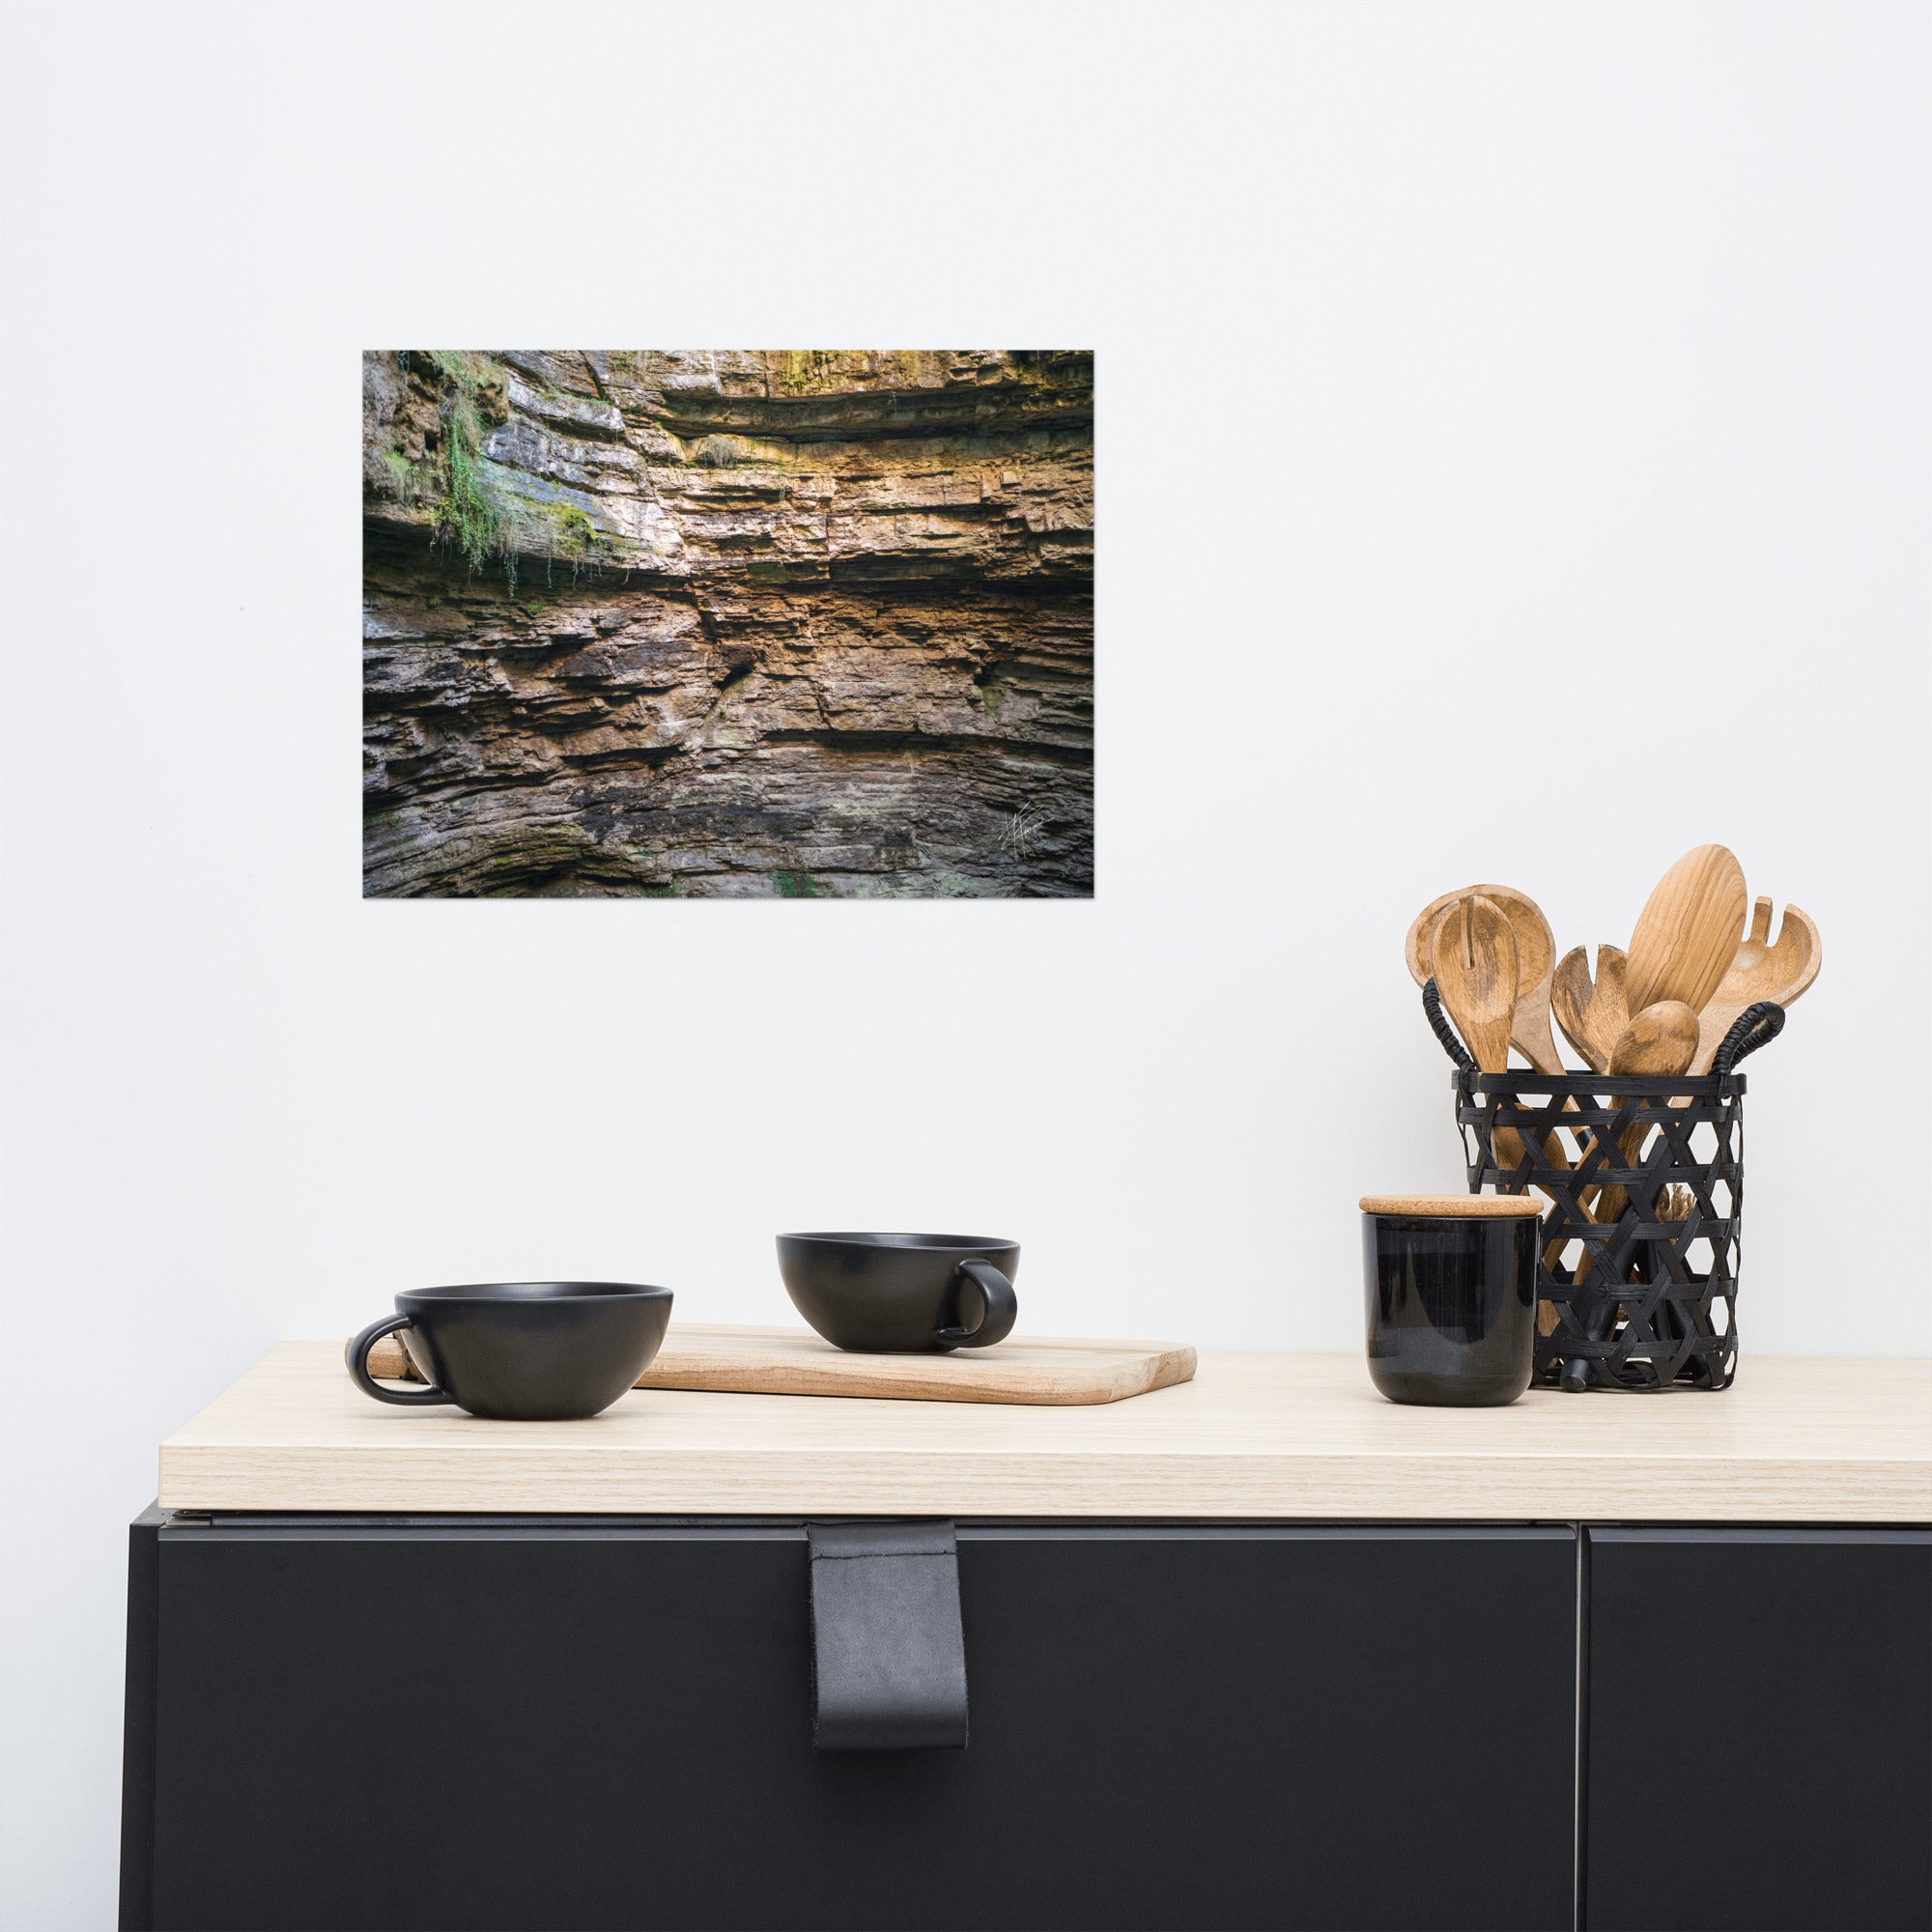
1638	1302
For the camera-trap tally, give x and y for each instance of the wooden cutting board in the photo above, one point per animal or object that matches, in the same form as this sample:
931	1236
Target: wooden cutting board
794	1361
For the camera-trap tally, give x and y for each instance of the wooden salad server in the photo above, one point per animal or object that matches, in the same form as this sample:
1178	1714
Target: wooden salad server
1687	935
1472	953
1472	956
1759	970
1536	959
1470	948
1593	1017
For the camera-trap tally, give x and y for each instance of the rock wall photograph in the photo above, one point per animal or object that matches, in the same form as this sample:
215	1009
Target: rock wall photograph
728	623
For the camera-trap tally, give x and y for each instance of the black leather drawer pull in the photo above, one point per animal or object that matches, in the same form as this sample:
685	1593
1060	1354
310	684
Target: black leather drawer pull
888	1656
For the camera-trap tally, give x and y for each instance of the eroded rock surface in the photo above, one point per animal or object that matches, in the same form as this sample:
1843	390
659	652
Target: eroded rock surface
728	623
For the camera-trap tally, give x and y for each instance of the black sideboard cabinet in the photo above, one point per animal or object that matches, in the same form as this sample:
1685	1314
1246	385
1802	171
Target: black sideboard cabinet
591	1721
1759	1729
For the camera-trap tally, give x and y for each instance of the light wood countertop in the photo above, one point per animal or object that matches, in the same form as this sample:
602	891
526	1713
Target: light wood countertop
1254	1434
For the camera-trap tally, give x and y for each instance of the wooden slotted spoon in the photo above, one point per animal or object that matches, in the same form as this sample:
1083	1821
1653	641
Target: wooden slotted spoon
1535	958
1472	949
1759	970
1472	956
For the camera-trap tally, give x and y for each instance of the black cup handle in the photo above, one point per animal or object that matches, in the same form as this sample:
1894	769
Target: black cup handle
1002	1308
356	1356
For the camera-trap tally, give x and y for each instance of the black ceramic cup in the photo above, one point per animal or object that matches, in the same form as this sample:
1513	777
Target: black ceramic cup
1451	1289
520	1350
902	1294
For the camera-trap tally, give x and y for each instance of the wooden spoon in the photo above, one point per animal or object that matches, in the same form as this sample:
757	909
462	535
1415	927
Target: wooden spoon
1759	971
1593	1017
1535	958
1659	1043
1687	933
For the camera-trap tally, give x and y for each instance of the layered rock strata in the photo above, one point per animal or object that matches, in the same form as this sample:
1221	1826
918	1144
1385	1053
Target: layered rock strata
732	623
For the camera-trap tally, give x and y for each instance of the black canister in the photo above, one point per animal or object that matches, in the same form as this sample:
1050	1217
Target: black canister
1450	1282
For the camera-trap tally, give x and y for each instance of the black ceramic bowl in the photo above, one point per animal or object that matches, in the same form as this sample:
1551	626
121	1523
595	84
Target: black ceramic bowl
522	1351
902	1294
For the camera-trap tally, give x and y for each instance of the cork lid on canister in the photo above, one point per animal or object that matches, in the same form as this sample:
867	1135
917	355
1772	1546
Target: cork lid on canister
1456	1206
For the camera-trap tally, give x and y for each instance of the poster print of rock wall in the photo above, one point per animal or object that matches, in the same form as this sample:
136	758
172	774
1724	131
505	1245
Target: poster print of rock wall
728	623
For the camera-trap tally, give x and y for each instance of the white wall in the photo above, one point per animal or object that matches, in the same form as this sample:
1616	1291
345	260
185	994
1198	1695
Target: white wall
1513	464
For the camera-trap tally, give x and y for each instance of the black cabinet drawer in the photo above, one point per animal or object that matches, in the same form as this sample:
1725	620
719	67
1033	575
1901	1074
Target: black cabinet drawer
585	1724
1760	1730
